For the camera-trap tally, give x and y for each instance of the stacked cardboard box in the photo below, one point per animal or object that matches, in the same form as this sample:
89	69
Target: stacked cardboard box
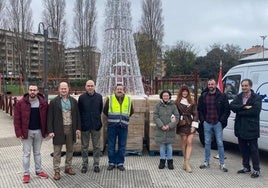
136	125
135	128
77	145
141	126
151	127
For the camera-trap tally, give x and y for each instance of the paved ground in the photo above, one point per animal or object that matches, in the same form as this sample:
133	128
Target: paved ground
141	171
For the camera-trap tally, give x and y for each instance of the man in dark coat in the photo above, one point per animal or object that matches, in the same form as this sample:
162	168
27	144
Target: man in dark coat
213	111
90	106
30	117
247	106
63	125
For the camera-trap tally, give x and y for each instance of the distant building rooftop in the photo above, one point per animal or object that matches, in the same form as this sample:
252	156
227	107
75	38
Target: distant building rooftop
253	50
255	57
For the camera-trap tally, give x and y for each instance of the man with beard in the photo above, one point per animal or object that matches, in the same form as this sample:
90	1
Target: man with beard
30	126
213	110
118	108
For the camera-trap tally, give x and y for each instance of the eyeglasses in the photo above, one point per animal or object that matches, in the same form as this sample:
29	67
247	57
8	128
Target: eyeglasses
32	90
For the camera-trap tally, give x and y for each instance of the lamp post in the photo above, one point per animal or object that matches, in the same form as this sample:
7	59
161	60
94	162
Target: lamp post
45	34
263	38
3	81
1	88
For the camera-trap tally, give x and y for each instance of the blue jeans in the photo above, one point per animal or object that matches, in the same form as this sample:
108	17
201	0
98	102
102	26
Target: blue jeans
120	134
215	129
34	140
165	151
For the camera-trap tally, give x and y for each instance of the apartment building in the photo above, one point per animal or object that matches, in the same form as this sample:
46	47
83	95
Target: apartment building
74	68
12	55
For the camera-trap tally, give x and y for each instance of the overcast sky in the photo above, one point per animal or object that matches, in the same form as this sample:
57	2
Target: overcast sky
200	22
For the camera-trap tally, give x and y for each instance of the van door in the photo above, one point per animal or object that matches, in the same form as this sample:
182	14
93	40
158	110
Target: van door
260	86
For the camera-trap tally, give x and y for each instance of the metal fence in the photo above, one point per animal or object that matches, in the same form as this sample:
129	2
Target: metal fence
7	103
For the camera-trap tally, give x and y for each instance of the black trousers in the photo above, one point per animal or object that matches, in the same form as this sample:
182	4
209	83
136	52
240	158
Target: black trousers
249	149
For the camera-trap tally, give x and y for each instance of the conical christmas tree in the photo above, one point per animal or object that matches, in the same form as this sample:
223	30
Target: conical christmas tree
119	62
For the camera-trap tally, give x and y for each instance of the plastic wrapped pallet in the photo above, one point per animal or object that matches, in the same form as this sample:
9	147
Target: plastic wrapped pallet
136	125
150	127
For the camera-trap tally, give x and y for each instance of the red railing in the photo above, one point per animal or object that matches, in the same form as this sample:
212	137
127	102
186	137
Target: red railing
173	83
7	103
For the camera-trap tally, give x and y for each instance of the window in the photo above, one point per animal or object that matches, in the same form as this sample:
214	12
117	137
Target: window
231	85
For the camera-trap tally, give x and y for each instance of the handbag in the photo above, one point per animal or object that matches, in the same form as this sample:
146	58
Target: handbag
182	122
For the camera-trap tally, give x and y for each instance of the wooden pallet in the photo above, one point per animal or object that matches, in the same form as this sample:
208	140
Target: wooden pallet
133	152
175	152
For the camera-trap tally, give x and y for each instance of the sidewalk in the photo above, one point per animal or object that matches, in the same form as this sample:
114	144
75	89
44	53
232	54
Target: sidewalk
141	171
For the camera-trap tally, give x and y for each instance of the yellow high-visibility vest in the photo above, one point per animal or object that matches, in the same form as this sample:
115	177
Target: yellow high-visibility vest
118	115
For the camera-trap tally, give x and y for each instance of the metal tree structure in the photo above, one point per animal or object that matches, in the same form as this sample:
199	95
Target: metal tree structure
119	62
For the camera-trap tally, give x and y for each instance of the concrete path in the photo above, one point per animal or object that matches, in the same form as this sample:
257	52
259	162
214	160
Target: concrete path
141	171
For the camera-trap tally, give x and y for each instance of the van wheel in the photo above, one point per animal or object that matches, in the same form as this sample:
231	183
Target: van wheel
202	137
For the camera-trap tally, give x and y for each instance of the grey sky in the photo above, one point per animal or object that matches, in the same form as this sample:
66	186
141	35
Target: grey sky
200	22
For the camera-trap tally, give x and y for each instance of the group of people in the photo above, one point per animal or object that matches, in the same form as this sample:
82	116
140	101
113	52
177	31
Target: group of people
183	116
64	118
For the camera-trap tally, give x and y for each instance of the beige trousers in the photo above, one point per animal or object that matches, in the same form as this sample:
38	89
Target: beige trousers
69	150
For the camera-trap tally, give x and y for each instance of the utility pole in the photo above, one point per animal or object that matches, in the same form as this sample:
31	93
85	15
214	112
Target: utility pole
263	38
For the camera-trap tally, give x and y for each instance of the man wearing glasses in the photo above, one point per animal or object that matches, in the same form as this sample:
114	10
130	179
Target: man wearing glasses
30	126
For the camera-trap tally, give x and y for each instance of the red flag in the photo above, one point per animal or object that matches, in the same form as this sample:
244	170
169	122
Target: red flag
1	83
220	85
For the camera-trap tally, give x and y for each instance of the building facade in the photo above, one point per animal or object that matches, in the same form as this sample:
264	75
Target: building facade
79	66
29	61
62	63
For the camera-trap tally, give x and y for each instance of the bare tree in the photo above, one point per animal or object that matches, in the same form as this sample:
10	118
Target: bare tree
145	53
54	16
21	23
84	28
2	6
152	26
152	20
21	15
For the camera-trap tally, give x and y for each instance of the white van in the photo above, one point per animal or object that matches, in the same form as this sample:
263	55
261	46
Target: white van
258	73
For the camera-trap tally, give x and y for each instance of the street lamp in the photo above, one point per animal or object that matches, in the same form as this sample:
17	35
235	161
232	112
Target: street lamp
45	34
263	38
3	80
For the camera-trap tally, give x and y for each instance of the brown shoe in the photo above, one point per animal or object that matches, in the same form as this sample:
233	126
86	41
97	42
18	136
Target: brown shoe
57	176
69	171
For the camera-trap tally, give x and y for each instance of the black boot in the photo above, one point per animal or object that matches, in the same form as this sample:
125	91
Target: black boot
162	164
170	164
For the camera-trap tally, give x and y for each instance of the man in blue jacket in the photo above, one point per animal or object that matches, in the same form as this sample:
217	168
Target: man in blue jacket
90	106
247	106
